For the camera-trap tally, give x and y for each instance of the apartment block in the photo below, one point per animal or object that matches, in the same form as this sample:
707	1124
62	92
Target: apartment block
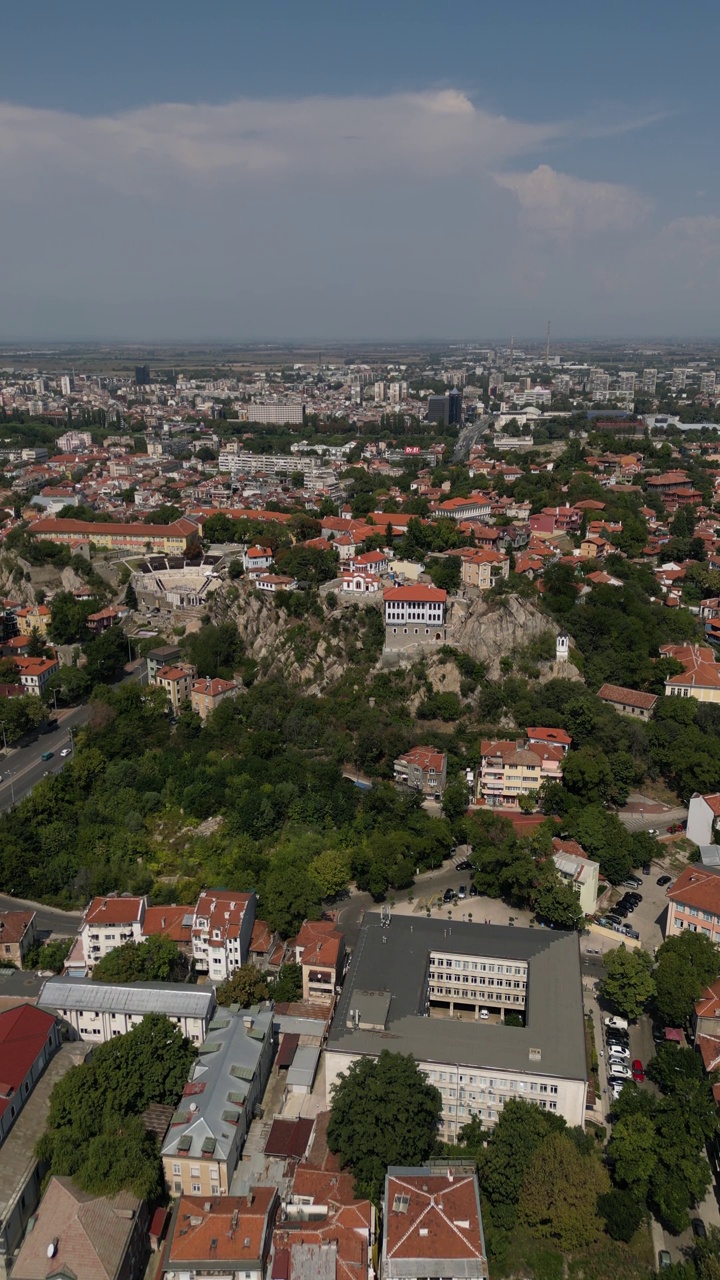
99	1011
510	769
422	769
432	1223
222	930
694	902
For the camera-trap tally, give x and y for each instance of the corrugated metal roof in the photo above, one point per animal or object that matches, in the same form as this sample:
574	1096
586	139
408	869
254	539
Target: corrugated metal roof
174	998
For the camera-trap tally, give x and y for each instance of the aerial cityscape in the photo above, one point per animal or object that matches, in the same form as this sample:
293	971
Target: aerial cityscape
359	644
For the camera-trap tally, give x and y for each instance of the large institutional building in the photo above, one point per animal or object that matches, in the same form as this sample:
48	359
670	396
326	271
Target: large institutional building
443	991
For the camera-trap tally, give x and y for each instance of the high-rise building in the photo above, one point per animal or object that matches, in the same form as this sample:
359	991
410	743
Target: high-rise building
380	393
707	383
649	381
66	385
142	375
397	392
679	378
600	384
446	410
627	383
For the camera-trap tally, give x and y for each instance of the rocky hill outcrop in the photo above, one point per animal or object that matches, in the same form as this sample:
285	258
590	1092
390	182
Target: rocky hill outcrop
489	631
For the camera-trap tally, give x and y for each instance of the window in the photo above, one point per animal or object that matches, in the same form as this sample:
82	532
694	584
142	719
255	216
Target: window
196	1188
176	1168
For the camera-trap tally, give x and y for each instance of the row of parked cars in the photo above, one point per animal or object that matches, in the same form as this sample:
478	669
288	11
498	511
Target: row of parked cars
620	1067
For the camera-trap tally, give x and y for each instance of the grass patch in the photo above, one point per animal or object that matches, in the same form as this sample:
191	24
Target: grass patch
606	1260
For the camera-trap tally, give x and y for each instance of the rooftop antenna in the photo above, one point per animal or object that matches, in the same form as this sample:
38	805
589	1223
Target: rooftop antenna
547	346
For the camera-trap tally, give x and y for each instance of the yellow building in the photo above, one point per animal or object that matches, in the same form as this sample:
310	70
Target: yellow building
172	539
701	677
34	617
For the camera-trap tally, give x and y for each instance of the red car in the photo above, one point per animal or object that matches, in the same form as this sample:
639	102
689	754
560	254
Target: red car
638	1072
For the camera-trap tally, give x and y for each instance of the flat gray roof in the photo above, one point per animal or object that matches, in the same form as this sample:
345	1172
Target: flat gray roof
176	999
394	960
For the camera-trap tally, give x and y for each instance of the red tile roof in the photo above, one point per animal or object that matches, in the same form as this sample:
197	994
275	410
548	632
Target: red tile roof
697	887
425	758
629	697
228	1229
109	911
319	942
168	921
708	1006
419	592
557	736
14	925
440	1218
289	1138
698	660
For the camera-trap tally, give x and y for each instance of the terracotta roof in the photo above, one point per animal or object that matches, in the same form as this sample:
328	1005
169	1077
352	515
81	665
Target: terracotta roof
708	1005
109	911
419	592
262	937
168	921
319	942
630	697
709	1047
713	803
178	528
697	887
701	670
92	1234
425	758
228	1229
14	925
213	688
558	736
437	1216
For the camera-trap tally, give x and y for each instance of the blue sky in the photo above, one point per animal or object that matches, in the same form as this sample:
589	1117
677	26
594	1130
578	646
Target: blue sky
300	170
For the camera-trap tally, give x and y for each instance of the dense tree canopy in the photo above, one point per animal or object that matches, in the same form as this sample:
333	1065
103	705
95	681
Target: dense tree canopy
156	960
384	1112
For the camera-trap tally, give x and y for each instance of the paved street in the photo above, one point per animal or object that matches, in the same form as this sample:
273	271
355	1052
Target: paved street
47	919
22	767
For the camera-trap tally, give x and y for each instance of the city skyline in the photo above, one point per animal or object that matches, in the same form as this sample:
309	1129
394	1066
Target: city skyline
275	175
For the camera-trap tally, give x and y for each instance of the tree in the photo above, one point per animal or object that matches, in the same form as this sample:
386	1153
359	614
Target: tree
587	774
685	966
245	987
36	645
215	650
131	599
632	1152
95	1131
158	959
556	901
331	869
623	1213
383	1113
288	985
560	1193
68	618
628	984
455	799
504	1156
291	895
48	955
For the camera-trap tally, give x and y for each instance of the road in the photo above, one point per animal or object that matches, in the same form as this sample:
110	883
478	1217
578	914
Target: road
22	767
47	919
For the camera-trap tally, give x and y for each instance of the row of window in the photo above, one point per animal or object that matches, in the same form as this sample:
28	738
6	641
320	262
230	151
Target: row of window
476	996
476	966
491	1082
697	913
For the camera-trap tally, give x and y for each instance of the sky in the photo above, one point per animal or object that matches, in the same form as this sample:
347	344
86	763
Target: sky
177	170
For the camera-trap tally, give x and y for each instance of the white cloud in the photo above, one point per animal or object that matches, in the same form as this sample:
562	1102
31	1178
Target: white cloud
416	134
558	204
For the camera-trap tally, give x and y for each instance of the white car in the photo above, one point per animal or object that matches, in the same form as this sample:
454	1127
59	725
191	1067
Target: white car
618	1071
484	1013
619	1023
618	1051
65	751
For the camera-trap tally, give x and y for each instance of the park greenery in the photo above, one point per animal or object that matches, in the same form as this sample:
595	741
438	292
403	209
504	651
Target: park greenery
669	987
158	959
96	1133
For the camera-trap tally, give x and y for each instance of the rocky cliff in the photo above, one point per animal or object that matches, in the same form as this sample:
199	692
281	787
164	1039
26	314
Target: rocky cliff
488	632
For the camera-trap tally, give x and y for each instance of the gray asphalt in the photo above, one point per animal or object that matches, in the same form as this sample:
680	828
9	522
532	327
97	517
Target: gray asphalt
22	767
47	919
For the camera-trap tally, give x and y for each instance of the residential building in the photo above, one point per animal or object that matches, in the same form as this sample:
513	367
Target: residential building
629	702
207	694
413	979
423	769
482	569
104	619
432	1223
701	676
35	673
74	442
108	923
21	1174
694	902
510	769
703	813
170	539
257	559
371	562
17	935
28	1040
706	1014
165	655
414	614
84	1237
227	1081
275	582
574	866
542	737
360	581
221	931
476	506
34	617
177	681
285	413
320	951
229	1236
325	1230
98	1011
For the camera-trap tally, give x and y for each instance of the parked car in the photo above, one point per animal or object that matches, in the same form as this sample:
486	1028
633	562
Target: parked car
614	1021
630	933
462	892
664	1259
638	1071
618	1053
632	882
662	880
646	869
699	1228
617	1044
474	891
484	1014
620	1072
65	751
465	865
449	895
